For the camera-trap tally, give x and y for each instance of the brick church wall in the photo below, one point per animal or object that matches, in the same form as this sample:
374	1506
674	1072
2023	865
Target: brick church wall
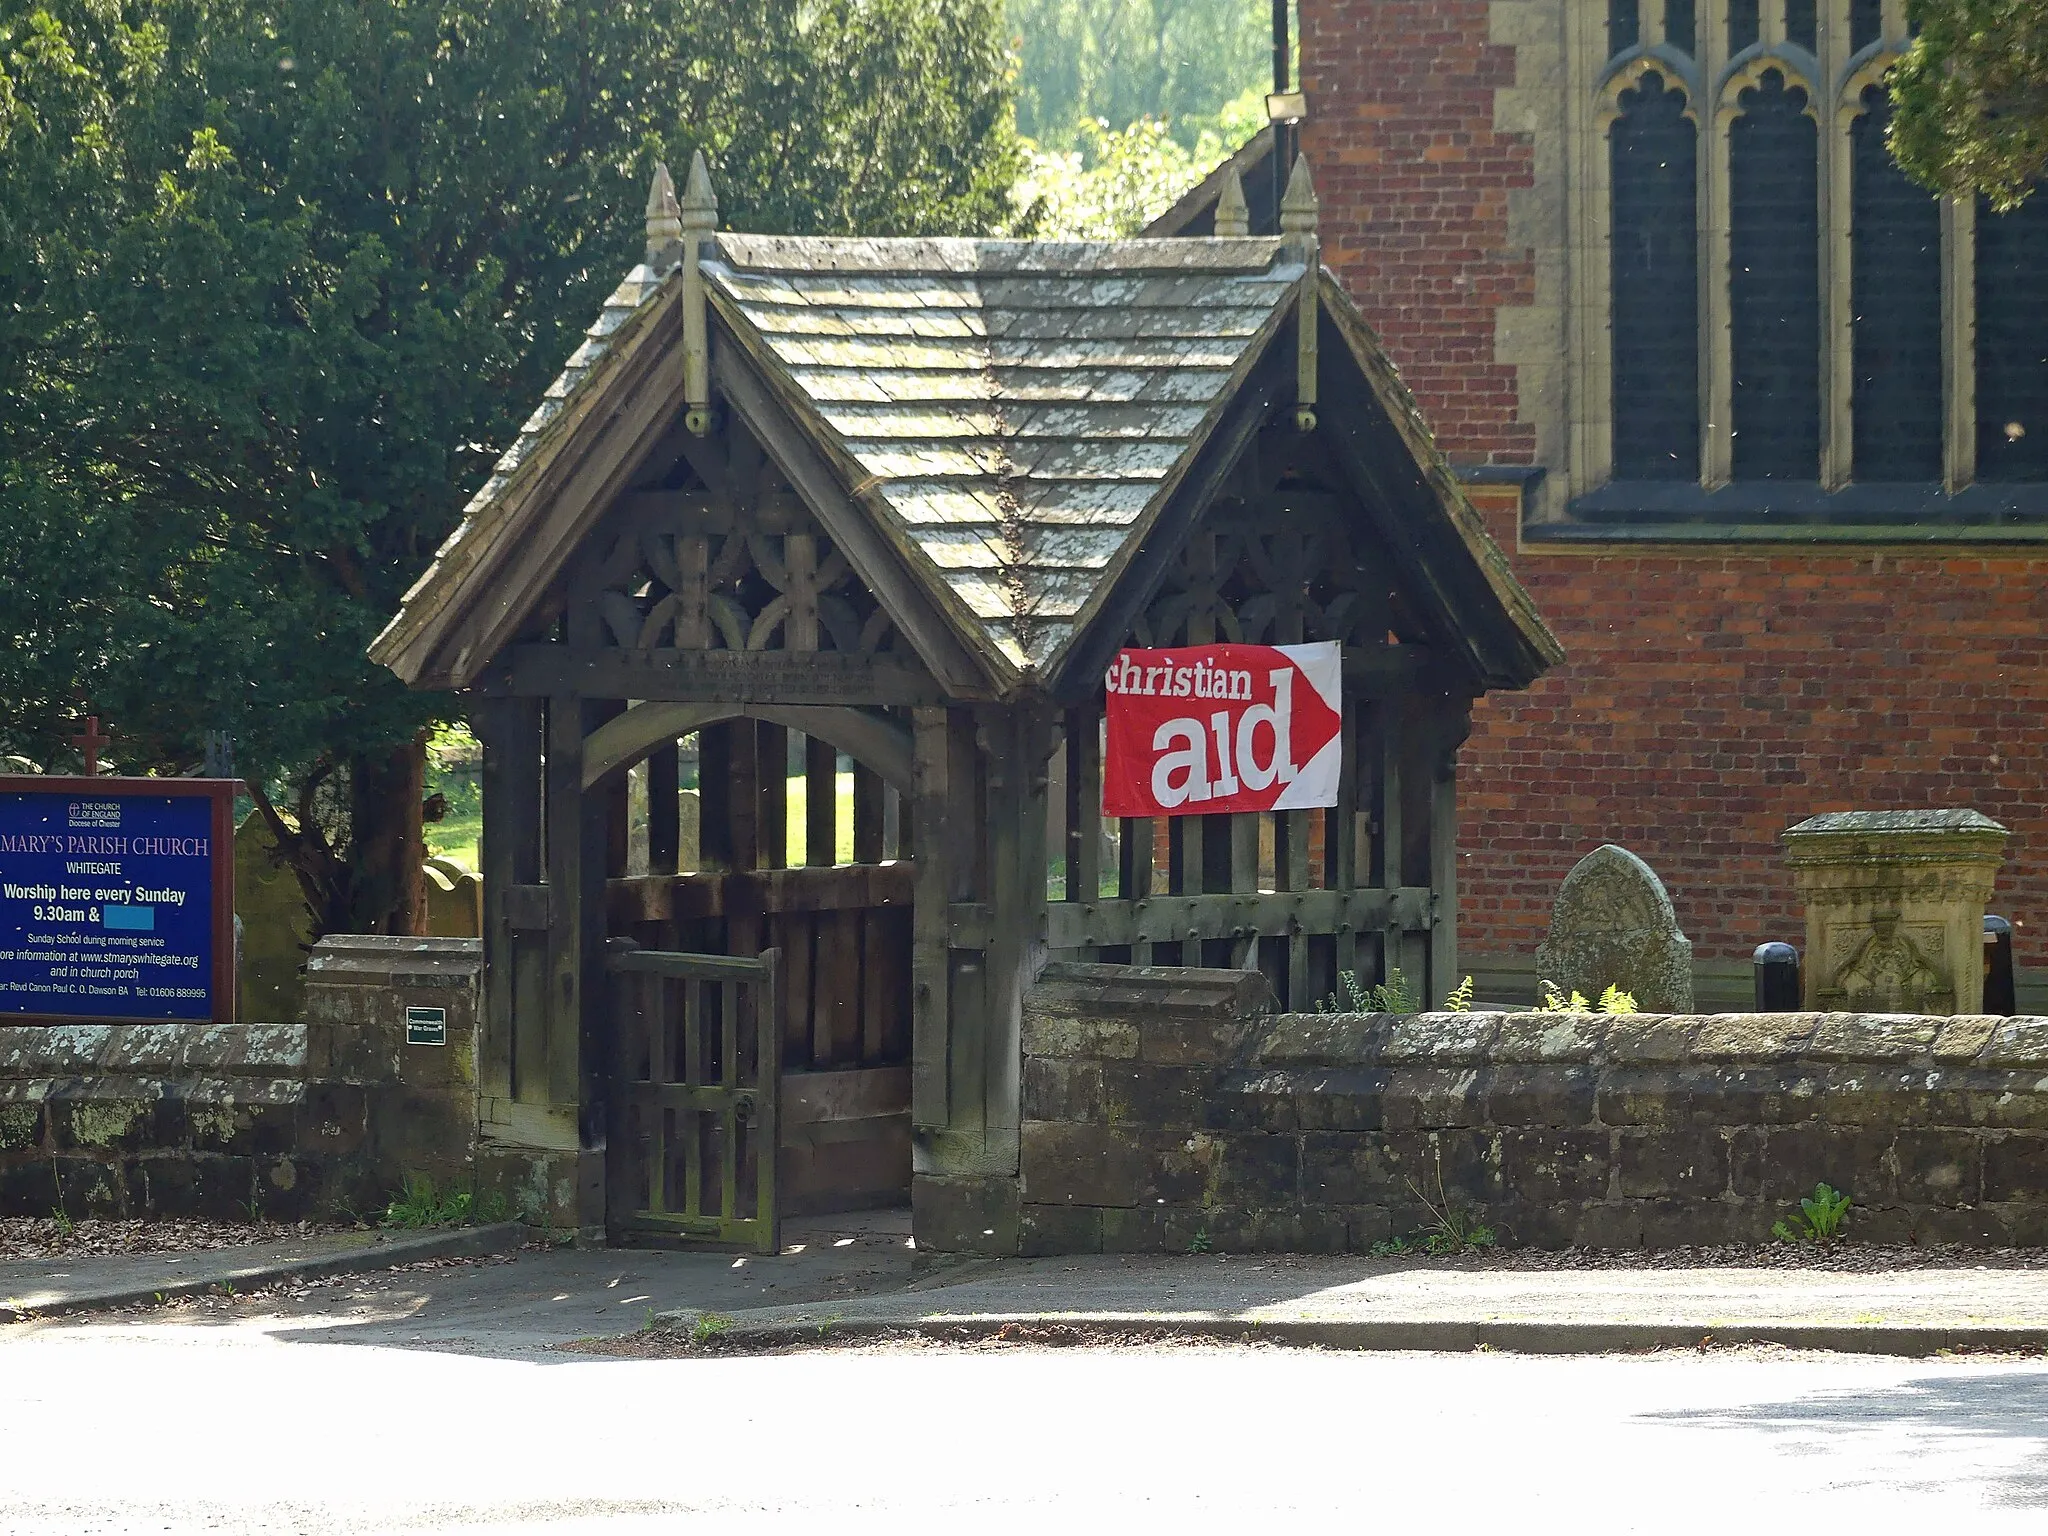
1711	698
1414	183
1713	694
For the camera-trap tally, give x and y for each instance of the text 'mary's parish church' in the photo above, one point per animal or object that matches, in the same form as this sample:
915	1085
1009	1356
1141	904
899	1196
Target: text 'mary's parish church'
1763	426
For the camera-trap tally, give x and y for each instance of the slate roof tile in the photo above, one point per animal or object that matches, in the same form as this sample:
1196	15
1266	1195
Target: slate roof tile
1017	405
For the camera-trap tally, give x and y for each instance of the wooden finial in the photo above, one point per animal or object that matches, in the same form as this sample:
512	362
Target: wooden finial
700	222
1233	217
700	203
664	218
1299	208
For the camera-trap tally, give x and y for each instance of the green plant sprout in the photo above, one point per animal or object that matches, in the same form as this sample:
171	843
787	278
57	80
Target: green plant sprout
419	1205
1389	996
1820	1218
1613	1000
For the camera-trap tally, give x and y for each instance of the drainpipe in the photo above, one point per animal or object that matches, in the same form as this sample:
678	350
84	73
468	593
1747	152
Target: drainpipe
1283	133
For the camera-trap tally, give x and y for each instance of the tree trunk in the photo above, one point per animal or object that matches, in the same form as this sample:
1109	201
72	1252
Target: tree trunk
388	845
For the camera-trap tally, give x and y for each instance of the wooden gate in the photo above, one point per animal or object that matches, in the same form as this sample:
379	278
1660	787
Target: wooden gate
695	1078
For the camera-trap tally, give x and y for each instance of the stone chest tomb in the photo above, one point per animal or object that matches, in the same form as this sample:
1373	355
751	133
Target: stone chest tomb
856	527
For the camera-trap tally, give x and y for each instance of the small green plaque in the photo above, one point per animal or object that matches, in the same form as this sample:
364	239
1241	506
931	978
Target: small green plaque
426	1026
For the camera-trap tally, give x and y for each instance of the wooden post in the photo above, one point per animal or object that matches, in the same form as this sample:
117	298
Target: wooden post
1016	746
576	851
510	730
771	769
821	802
869	803
1134	873
716	801
664	811
1391	843
616	796
931	801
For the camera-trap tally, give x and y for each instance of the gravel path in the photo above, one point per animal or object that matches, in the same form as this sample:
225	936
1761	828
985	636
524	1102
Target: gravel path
52	1237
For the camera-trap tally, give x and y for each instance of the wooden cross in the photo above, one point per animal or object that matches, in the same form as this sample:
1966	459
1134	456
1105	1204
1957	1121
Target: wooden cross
89	741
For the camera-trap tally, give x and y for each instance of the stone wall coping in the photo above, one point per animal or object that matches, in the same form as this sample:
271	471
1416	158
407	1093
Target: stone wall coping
381	960
1149	989
1487	1039
1884	822
35	1051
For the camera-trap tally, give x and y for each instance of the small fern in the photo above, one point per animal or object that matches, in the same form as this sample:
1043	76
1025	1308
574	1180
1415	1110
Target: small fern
1389	996
1460	1000
1613	1000
1550	1000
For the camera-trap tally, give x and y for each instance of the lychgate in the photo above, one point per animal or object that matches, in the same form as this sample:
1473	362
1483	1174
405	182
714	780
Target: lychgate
856	528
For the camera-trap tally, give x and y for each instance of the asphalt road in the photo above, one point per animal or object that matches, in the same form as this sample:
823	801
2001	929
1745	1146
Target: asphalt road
324	1415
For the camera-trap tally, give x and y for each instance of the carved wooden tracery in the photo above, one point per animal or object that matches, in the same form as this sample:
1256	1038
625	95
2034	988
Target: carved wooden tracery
1274	564
740	566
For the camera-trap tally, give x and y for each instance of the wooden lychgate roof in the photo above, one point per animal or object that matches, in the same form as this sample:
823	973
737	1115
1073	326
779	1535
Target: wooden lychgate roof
1008	419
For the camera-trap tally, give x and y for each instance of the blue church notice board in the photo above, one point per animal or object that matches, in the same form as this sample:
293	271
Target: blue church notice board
117	898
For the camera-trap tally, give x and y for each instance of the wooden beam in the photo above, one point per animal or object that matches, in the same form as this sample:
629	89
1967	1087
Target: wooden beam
718	677
758	893
1196	919
869	738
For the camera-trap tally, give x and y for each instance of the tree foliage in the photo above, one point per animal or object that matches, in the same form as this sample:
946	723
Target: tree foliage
1082	62
1970	99
276	281
1121	180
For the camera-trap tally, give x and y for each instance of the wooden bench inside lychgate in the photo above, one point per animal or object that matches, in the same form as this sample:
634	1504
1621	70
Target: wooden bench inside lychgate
784	625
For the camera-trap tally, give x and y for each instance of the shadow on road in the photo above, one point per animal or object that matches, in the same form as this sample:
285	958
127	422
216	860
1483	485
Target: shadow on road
523	1305
1932	1419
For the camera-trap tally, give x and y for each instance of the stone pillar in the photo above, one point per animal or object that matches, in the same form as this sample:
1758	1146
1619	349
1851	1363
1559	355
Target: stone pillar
402	1012
1895	908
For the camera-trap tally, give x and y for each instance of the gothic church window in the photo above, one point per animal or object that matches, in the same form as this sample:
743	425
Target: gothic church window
1895	307
1774	282
1783	306
1656	281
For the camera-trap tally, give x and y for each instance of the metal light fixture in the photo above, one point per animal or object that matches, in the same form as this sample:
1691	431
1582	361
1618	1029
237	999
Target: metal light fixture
1286	106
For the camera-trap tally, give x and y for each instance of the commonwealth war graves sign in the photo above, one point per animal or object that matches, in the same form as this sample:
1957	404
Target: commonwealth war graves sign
117	898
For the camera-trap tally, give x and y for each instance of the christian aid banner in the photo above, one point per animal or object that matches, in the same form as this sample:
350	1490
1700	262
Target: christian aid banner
1209	729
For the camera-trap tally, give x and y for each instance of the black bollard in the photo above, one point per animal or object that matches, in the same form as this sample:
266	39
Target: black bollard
2001	993
1777	978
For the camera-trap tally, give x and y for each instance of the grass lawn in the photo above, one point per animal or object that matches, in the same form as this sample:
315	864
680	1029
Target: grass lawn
456	835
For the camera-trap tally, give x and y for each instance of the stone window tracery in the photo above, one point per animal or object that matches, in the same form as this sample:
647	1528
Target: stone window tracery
1777	302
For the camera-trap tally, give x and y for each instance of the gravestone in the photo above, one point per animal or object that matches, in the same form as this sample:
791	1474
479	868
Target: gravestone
1895	908
690	819
277	926
1613	925
455	900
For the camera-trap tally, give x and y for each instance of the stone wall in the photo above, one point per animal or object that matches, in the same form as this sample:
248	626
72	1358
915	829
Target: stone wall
223	1121
281	1121
1162	1112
